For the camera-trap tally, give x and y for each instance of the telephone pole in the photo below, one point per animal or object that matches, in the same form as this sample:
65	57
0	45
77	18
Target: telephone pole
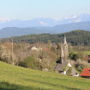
12	52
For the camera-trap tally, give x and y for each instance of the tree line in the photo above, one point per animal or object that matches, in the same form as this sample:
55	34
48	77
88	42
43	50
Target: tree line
75	38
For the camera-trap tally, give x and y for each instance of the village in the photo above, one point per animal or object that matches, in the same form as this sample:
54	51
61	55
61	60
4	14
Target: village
46	57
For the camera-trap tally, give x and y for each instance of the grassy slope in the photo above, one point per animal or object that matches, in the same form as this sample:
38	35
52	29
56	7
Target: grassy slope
86	52
17	78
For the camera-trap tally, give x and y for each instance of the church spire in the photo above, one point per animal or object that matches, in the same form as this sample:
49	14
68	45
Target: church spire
62	54
65	41
65	48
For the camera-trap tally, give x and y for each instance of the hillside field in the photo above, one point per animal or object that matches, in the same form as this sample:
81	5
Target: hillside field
18	78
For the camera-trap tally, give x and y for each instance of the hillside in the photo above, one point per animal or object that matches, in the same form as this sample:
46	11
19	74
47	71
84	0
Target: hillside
17	78
77	37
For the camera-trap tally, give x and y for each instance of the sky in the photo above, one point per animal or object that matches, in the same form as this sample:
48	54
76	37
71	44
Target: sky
29	9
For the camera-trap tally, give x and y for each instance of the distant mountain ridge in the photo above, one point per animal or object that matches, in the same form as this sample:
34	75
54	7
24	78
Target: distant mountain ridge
44	22
15	31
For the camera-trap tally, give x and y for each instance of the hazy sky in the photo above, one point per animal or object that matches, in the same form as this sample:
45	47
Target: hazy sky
28	9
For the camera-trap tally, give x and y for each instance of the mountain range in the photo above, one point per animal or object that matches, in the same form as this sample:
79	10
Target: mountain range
44	22
44	25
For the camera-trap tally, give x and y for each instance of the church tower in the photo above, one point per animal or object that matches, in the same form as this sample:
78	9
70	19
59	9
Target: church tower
62	54
65	47
64	61
64	51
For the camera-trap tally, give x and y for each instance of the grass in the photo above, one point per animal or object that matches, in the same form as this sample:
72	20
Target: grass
86	52
17	78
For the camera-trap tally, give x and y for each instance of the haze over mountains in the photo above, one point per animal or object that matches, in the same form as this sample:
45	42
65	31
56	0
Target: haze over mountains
44	25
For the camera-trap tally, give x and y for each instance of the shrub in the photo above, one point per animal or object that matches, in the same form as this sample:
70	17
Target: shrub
30	62
69	71
79	67
73	56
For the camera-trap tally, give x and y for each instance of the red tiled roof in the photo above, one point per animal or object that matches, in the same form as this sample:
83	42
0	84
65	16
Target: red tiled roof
85	72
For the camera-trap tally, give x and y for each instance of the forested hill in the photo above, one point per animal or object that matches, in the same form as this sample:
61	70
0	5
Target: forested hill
77	37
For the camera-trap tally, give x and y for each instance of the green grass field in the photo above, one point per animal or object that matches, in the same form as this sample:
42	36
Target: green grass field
86	52
17	78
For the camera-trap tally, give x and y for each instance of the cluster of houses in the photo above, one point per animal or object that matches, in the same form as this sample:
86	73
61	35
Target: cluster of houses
64	64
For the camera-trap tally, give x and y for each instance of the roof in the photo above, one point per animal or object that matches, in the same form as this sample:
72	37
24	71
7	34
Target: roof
85	72
60	67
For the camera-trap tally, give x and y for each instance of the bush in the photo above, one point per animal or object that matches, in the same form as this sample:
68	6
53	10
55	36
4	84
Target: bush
31	62
69	71
73	56
79	67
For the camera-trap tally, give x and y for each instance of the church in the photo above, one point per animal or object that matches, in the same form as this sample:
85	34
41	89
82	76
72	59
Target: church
63	65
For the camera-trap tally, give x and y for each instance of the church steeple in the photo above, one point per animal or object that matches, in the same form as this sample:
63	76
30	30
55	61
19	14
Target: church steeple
64	51
65	48
65	41
62	54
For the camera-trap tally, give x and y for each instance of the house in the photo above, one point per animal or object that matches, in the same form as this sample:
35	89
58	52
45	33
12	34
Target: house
85	73
36	49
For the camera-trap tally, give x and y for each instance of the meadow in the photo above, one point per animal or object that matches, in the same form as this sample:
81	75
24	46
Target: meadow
18	78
